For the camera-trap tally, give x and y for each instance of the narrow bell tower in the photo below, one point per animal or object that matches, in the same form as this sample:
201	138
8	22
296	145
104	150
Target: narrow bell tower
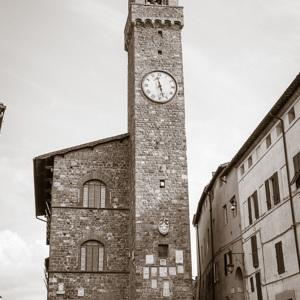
160	255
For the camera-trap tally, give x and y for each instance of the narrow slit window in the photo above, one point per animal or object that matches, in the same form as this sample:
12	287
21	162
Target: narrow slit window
159	52
160	33
162	184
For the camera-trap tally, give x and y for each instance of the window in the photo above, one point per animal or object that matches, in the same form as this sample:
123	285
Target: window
250	162
94	194
253	205
163	250
291	115
252	284
92	256
159	52
296	178
160	33
268	141
254	251
225	214
258	286
162	184
279	129
227	261
279	258
272	192
216	272
242	170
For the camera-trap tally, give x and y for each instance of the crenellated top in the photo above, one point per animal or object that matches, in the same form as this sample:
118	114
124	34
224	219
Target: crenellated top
154	2
158	16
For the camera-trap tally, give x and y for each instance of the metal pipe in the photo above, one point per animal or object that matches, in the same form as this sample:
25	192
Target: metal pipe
289	188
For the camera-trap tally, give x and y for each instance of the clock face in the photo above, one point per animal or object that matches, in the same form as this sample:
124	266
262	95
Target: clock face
159	86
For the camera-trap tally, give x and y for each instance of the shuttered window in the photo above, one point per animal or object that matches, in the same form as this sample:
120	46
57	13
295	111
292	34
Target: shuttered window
254	251
92	256
251	284
268	195
258	286
296	178
279	258
250	211
255	201
275	185
94	194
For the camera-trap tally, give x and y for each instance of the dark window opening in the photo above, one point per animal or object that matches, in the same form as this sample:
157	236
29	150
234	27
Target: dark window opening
291	115
252	284
159	52
258	286
296	178
162	184
160	33
279	258
254	251
163	250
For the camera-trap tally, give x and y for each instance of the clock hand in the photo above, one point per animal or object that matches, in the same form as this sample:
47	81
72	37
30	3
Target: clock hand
160	86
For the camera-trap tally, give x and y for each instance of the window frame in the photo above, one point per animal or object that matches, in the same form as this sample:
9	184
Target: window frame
296	177
89	248
86	189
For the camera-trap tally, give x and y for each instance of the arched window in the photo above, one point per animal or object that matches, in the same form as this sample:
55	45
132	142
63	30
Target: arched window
94	194
92	256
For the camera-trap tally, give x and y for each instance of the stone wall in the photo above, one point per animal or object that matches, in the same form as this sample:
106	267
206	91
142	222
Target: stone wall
72	224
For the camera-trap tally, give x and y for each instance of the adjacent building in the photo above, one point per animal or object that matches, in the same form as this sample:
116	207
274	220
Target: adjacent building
117	209
267	195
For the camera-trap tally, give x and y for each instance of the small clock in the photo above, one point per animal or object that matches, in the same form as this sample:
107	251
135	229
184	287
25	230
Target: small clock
159	86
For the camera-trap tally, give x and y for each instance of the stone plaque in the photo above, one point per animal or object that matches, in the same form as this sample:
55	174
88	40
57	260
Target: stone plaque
149	259
166	288
163	262
81	292
154	271
146	274
60	289
163	271
180	269
179	257
154	283
172	271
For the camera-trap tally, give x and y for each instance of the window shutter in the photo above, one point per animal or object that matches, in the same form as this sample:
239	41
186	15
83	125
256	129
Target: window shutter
258	286
97	196
103	195
296	178
85	195
252	284
279	257
256	208
254	251
82	258
101	258
225	263
268	197
249	211
276	192
91	196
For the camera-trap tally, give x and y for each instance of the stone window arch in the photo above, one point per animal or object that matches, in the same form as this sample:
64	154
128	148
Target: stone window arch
92	256
89	187
94	194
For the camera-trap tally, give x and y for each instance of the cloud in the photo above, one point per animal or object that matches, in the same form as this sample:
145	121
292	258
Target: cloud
21	267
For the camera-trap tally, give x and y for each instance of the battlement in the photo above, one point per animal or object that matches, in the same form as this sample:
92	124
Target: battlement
154	2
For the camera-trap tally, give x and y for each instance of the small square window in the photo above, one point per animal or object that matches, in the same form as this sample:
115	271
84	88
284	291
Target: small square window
160	33
250	162
162	184
159	52
268	141
279	129
291	115
163	250
242	170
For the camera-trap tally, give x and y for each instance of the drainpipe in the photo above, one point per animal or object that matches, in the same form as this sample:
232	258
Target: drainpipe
212	245
199	258
289	187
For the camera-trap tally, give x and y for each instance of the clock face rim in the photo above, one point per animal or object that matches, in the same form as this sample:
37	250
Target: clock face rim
161	71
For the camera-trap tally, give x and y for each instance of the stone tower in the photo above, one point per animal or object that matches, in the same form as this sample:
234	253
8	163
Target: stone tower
117	209
159	208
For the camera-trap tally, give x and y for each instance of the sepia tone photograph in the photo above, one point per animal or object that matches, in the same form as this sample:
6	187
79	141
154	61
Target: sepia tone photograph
149	149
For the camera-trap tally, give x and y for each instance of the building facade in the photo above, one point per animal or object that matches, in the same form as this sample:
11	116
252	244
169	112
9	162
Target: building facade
117	209
2	111
219	245
264	177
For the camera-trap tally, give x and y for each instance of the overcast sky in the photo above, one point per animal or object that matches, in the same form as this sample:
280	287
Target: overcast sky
60	64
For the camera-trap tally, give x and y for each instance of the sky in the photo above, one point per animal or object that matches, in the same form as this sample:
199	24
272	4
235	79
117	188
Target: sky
63	78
